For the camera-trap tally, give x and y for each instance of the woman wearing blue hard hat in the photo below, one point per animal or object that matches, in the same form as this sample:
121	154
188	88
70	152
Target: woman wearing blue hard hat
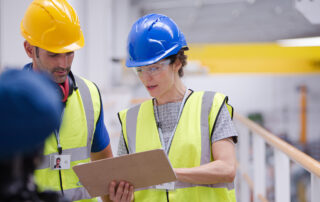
194	128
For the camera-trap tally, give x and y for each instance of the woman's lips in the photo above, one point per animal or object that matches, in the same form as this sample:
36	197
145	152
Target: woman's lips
151	87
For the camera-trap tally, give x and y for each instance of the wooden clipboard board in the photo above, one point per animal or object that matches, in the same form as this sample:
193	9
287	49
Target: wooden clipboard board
140	169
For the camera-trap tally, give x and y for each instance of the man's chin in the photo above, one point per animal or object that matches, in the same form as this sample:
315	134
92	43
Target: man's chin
60	79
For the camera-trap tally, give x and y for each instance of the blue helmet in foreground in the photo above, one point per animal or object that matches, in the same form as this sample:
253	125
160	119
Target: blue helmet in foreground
30	109
153	38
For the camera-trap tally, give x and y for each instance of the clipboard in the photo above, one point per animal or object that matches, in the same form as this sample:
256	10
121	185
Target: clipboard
141	169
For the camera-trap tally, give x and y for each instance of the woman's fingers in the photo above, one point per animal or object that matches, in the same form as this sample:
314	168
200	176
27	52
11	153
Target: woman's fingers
119	191
123	192
130	195
112	190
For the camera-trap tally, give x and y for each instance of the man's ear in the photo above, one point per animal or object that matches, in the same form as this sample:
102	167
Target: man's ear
29	49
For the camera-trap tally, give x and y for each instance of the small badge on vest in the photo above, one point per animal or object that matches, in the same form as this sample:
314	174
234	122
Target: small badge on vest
60	162
167	186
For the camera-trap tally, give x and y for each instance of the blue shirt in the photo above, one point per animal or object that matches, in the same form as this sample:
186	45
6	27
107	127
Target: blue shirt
101	136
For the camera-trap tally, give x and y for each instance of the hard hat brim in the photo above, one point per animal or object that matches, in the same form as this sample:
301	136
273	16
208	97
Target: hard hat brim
171	51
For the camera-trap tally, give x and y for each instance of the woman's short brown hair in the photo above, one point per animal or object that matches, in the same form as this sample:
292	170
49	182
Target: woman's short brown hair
183	59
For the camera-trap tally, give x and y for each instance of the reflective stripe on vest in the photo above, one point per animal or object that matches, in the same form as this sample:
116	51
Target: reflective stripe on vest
199	106
82	103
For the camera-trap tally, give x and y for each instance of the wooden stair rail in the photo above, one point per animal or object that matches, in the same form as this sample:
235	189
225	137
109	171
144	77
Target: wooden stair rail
310	164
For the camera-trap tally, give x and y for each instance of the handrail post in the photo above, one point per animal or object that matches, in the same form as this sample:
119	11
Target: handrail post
315	188
282	176
244	162
259	166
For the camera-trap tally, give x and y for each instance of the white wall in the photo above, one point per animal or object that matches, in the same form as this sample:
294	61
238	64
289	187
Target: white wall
97	51
11	44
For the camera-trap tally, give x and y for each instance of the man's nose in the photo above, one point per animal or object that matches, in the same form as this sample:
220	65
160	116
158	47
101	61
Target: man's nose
63	61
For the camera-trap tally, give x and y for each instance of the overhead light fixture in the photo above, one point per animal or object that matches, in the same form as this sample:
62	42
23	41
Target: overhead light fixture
300	42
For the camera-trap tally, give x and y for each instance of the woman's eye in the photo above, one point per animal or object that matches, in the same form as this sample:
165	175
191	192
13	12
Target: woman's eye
154	69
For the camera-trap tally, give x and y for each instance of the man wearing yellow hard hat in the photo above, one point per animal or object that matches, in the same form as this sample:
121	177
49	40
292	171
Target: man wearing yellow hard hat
52	32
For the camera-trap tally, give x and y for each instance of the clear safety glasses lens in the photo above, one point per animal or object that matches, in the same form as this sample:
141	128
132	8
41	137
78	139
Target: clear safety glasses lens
153	69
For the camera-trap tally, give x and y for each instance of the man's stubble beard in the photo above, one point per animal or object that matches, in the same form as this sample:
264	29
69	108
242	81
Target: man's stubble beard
57	79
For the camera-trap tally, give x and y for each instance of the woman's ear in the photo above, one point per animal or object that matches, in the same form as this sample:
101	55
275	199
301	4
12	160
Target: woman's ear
177	65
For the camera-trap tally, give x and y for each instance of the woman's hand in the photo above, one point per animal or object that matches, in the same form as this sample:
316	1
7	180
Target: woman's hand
221	170
122	192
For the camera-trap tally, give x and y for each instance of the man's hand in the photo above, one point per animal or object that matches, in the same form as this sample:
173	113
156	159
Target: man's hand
123	192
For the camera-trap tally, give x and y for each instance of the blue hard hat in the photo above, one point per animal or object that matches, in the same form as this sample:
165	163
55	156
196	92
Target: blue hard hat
30	110
153	38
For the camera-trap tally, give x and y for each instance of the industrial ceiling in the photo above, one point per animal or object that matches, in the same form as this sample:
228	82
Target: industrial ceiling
234	21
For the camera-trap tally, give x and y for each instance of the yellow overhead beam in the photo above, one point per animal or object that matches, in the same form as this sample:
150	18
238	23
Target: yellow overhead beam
256	58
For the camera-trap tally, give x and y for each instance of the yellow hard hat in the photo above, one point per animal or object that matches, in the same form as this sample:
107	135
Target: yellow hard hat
52	25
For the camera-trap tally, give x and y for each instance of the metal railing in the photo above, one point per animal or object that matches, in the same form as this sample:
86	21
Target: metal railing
283	154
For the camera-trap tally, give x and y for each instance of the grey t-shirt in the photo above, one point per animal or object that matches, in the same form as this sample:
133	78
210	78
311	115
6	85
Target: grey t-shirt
168	118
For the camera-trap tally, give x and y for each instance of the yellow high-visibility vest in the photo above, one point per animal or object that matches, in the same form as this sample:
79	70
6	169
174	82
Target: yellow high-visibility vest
190	146
76	133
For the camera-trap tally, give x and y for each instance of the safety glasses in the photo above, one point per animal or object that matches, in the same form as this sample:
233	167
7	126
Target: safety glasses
153	69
